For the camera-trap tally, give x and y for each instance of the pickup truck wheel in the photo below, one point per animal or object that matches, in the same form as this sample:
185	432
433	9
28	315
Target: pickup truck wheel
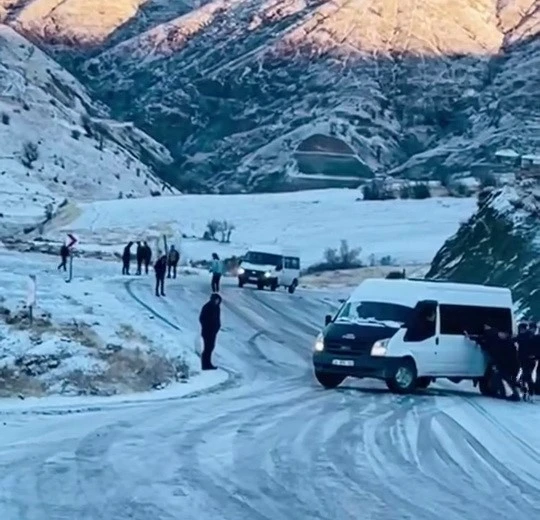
329	380
404	380
423	382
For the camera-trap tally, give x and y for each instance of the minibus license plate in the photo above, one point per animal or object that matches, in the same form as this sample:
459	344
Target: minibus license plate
343	362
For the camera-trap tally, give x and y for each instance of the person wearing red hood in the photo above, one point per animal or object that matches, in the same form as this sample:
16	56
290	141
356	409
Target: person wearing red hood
210	320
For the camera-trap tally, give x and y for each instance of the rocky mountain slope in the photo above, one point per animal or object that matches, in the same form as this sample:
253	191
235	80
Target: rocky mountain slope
56	143
279	94
498	245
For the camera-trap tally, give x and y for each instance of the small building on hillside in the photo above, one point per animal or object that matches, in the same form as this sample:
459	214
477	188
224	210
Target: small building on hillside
530	165
507	156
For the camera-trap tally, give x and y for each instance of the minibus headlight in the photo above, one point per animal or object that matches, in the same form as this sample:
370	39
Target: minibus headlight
241	270
268	274
319	343
379	348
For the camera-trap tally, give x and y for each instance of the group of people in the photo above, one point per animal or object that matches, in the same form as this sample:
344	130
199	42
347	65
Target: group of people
166	266
514	359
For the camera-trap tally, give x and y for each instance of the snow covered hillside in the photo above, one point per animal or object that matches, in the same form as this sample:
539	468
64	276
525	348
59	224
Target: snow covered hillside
311	221
280	94
55	143
498	245
85	338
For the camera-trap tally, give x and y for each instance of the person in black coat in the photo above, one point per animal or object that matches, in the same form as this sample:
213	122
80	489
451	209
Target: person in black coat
126	258
172	261
529	352
210	320
160	268
140	257
147	258
501	348
64	255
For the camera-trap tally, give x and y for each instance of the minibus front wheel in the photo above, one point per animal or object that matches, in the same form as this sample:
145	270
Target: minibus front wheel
404	380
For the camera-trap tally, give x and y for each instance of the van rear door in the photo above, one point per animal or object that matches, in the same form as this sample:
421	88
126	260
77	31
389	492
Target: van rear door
291	270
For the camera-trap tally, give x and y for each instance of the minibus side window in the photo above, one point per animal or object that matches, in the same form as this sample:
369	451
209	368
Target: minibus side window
422	325
456	319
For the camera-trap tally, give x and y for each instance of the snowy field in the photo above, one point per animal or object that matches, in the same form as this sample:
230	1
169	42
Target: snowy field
409	231
259	439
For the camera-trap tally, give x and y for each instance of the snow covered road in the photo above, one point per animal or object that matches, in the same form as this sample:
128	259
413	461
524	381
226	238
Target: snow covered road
271	444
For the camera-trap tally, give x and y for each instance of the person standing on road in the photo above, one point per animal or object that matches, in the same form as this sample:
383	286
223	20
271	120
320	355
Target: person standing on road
126	258
216	268
210	320
64	255
172	261
147	256
140	257
160	268
528	349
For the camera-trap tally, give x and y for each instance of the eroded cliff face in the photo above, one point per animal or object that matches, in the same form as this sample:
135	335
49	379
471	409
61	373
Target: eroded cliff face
282	94
498	245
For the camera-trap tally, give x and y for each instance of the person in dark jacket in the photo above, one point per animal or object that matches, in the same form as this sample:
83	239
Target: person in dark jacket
529	351
172	261
210	320
147	256
160	268
126	258
64	255
140	257
501	348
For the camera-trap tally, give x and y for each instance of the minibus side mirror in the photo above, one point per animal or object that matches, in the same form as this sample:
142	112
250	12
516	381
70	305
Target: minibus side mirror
279	267
327	319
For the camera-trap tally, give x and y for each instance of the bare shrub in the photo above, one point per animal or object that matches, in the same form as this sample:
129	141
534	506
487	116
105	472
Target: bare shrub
219	228
334	259
5	118
13	382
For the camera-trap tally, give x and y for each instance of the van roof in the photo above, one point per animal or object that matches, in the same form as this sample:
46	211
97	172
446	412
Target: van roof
274	249
410	291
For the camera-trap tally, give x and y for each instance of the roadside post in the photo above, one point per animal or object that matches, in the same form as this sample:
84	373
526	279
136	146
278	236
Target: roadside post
31	297
72	240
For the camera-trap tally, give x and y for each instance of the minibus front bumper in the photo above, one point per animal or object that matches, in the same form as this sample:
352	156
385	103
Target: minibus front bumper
376	367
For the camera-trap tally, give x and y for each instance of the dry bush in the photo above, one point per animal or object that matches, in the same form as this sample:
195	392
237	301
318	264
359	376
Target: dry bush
13	382
128	333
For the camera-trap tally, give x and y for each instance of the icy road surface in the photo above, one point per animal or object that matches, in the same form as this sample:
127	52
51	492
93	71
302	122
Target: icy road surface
271	444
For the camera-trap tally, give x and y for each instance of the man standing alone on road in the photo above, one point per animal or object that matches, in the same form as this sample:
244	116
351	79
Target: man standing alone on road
160	267
210	320
216	268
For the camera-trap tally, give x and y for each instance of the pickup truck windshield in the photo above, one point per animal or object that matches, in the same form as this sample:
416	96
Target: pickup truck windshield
254	257
382	313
